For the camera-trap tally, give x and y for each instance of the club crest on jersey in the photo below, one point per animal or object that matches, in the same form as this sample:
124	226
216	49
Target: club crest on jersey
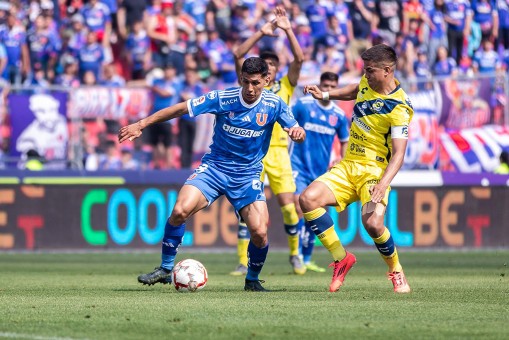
231	115
333	120
212	95
378	104
261	118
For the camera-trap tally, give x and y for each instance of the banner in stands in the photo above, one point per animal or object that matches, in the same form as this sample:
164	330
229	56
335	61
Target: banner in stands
110	103
38	122
134	216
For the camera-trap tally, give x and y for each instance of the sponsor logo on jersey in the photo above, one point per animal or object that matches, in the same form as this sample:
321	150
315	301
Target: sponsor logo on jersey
361	124
198	101
246	119
212	95
229	101
357	136
357	149
379	159
324	130
261	118
264	102
241	132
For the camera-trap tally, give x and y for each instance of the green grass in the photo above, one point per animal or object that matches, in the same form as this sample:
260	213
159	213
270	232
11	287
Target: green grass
456	295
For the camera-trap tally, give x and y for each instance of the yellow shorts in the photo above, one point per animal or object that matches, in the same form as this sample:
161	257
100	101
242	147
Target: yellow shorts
350	182
278	168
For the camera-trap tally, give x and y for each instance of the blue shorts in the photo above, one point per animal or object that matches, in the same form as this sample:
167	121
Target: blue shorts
239	189
301	180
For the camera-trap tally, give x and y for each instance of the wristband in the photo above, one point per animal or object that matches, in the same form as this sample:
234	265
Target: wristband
325	95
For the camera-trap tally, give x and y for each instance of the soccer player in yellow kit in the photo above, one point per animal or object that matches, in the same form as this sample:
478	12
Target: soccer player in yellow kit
276	163
376	149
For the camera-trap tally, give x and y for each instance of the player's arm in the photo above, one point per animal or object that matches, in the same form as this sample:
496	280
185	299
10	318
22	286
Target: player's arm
134	130
398	148
348	92
239	52
298	56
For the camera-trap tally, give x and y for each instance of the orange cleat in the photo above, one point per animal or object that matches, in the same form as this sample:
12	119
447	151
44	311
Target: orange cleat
341	268
399	282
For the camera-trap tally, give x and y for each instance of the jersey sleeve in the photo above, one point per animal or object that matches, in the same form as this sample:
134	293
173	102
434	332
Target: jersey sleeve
208	103
285	117
400	119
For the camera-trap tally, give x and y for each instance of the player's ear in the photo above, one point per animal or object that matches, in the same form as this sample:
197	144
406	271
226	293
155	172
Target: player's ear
267	80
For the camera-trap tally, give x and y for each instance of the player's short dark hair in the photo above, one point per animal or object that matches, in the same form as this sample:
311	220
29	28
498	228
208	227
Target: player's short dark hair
380	54
329	76
255	65
504	157
269	54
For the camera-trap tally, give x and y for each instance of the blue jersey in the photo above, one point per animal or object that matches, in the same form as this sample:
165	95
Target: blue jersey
241	131
312	157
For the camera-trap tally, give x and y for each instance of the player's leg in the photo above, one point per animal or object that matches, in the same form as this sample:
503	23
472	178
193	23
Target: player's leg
330	189
277	165
256	216
373	221
200	190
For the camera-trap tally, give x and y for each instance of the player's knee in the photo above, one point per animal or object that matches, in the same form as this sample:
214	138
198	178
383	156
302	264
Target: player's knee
259	238
178	215
374	224
308	200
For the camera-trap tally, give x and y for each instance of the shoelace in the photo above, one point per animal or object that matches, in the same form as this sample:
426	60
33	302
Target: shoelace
397	278
336	268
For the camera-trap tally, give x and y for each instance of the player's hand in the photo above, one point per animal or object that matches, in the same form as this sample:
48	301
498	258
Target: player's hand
130	132
314	91
377	192
282	20
296	133
268	28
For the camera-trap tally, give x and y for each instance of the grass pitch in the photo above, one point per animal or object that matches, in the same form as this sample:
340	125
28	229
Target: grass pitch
456	295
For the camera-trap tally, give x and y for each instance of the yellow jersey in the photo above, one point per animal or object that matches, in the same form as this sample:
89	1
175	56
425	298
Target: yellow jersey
283	89
375	117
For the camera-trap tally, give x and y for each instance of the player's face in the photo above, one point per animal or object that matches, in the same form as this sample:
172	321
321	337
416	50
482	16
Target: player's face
252	86
273	67
376	74
327	85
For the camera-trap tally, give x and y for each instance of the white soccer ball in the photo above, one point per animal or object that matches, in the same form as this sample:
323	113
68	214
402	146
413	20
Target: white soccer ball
189	276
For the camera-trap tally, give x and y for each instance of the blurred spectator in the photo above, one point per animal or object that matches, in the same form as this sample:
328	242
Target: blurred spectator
110	160
503	168
340	10
13	37
458	15
485	15
193	88
317	16
159	136
486	60
242	23
219	17
129	13
127	160
138	51
444	65
98	19
91	56
34	161
362	16
110	77
43	49
422	70
438	30
89	78
163	32
69	78
197	10
503	23
388	19
3	58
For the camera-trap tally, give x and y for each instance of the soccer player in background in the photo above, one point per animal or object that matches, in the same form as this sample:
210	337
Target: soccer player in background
376	149
277	162
245	117
322	120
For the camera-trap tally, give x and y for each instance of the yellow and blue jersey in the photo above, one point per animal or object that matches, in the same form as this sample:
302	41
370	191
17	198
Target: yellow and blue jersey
375	117
284	90
242	131
322	123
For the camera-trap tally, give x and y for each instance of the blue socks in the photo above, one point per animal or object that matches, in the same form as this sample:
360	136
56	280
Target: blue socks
256	259
307	239
171	241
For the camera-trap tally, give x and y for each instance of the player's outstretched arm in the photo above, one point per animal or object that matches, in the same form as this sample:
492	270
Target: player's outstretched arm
283	23
296	133
348	92
134	130
239	52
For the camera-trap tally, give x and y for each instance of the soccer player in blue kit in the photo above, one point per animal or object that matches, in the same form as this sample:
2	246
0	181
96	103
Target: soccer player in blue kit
245	117
322	120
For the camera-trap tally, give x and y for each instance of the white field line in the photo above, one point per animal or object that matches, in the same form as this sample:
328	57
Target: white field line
32	336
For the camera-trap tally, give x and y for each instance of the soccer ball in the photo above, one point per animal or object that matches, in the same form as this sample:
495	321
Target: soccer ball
189	276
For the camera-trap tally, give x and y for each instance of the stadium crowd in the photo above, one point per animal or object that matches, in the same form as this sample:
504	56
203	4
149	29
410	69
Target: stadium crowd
181	49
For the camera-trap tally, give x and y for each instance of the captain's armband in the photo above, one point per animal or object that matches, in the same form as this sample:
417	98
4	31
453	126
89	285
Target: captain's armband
399	132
